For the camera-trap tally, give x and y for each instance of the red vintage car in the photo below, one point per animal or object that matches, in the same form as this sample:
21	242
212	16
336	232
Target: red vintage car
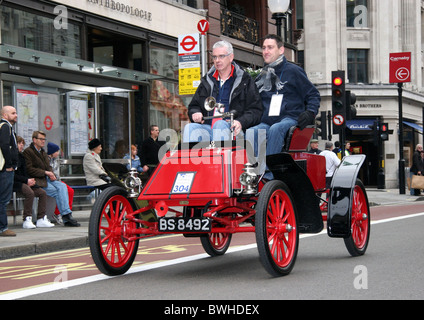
211	191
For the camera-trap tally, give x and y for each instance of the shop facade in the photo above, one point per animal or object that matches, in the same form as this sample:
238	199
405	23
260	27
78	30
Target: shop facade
83	69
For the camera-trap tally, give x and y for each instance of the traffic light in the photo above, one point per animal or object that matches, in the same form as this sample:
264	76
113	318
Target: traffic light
338	87
350	102
375	127
321	125
384	132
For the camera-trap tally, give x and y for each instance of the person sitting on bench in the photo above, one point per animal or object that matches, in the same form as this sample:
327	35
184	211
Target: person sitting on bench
95	174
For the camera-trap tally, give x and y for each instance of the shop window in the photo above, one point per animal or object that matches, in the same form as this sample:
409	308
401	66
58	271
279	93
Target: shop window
114	125
168	109
32	31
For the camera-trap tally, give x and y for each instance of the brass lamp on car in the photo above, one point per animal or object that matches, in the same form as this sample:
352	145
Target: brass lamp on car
249	179
133	183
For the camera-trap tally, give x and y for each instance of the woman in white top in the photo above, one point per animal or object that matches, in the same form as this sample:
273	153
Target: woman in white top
95	174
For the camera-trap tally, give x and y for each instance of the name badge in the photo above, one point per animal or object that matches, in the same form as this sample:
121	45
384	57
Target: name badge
275	107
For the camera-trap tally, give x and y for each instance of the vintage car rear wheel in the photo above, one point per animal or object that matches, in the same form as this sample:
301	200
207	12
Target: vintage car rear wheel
277	234
357	243
112	253
216	244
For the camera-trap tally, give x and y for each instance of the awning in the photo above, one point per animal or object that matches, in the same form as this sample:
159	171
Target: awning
414	126
360	125
21	61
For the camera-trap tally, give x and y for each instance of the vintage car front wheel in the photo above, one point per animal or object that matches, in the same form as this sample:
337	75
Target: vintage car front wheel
112	253
277	235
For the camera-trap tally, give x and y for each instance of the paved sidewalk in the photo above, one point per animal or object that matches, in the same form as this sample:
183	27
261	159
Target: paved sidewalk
37	241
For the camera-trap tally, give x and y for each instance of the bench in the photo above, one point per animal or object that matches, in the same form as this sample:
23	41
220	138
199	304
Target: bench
18	202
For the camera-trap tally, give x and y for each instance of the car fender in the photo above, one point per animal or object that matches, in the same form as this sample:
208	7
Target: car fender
341	196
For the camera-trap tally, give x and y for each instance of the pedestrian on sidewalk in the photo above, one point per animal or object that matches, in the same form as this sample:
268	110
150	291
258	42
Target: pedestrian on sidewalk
95	174
417	167
38	167
9	155
28	188
53	151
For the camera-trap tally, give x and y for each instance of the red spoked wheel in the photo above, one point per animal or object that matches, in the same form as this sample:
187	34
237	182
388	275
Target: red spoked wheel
216	244
277	234
112	253
357	243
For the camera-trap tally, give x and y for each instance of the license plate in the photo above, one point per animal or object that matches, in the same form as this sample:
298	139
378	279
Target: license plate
184	225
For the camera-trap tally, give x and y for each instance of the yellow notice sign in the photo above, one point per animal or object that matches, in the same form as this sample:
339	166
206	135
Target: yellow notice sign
189	80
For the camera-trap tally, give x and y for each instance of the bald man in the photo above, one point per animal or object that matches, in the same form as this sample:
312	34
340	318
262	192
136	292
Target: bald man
9	149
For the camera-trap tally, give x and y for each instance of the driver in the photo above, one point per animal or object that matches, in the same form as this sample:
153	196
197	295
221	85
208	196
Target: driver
229	85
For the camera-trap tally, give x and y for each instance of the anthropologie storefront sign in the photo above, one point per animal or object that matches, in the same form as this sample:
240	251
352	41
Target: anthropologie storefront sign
123	8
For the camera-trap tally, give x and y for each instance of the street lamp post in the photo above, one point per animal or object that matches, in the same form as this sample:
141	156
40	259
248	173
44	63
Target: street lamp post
279	9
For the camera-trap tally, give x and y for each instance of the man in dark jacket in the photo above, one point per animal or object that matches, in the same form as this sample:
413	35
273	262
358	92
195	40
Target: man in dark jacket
288	97
9	150
230	86
149	158
38	167
27	186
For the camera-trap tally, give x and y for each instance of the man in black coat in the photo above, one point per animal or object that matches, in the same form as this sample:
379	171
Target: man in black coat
229	85
9	150
149	157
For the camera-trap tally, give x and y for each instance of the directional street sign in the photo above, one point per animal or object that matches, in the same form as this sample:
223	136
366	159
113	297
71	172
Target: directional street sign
400	67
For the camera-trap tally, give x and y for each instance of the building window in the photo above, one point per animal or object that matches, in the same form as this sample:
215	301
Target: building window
299	14
357	13
357	65
32	31
189	3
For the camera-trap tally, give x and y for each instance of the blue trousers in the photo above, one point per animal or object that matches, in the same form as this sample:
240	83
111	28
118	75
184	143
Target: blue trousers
59	191
275	139
196	132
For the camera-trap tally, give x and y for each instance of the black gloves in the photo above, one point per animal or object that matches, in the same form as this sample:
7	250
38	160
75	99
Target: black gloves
105	178
305	119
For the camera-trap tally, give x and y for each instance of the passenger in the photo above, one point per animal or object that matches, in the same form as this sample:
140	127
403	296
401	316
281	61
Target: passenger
230	85
9	154
95	174
150	150
135	160
38	167
288	97
29	189
53	151
331	163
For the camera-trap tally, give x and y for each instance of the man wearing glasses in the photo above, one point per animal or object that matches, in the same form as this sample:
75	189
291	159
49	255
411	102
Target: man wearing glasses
38	167
229	85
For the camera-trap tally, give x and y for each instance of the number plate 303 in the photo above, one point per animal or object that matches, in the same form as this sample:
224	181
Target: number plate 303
184	225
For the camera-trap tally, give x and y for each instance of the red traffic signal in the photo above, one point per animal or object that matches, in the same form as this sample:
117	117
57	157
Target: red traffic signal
337	81
384	131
